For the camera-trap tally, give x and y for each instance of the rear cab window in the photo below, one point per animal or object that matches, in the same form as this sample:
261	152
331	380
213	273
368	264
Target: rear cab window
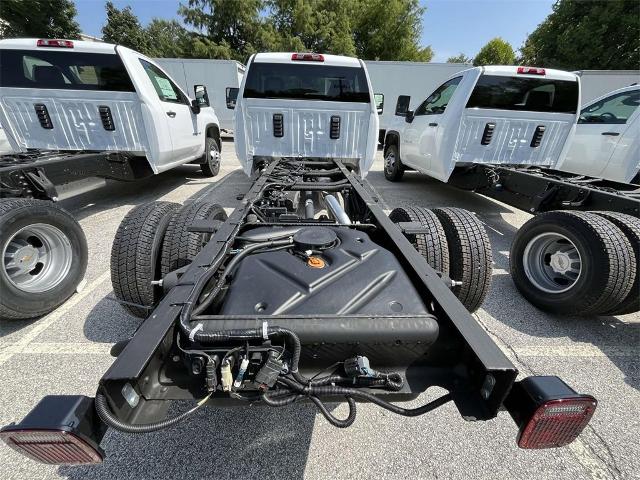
525	94
307	82
63	71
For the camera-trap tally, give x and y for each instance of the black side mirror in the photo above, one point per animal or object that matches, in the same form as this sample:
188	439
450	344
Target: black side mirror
232	97
202	97
195	106
409	116
402	105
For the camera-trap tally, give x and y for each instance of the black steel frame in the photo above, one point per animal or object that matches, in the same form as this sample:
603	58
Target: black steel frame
464	359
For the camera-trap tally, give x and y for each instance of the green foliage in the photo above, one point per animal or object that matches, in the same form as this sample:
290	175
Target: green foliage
123	28
495	52
166	38
587	35
39	18
460	58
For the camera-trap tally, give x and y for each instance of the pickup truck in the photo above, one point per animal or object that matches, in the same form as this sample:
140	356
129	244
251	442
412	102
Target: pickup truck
307	292
505	132
74	114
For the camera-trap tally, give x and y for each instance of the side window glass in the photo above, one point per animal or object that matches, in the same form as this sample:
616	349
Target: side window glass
612	110
167	91
438	100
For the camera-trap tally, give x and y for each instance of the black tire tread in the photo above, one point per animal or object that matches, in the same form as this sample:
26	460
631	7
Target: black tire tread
207	171
433	245
630	226
470	253
132	262
398	173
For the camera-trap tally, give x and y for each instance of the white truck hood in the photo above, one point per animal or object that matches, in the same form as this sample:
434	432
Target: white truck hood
306	125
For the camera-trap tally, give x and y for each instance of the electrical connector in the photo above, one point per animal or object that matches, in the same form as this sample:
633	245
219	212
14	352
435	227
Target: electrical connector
210	376
268	374
359	367
241	371
225	376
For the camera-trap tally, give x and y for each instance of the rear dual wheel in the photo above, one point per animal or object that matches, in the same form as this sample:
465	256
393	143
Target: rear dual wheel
574	263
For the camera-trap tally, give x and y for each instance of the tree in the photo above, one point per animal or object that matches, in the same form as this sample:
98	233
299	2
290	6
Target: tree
166	39
389	30
495	52
39	18
123	28
587	35
460	58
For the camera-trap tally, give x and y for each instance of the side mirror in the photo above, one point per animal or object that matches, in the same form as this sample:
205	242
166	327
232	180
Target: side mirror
232	97
409	116
195	106
402	105
379	99
202	97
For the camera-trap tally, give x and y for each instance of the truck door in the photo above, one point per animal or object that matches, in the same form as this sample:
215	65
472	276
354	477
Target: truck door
175	107
597	149
421	143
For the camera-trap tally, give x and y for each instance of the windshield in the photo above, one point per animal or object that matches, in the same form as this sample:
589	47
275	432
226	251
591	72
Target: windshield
525	94
63	70
307	82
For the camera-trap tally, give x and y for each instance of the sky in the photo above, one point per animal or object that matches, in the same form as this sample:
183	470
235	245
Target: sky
449	26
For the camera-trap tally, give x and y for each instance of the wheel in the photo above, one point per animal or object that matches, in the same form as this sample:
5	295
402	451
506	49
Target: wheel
571	263
470	255
136	253
630	226
180	245
44	257
431	245
393	168
211	165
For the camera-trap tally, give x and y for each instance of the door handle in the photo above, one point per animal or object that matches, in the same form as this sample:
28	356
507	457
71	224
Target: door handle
171	114
611	134
433	124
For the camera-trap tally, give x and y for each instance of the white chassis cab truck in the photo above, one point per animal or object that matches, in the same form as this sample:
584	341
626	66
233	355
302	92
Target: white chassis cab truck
504	131
76	113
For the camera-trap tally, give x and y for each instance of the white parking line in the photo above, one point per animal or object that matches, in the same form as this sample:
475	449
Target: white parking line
46	322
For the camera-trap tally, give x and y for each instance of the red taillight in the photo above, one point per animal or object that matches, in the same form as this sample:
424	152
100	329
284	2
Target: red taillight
55	43
531	71
51	446
307	57
558	422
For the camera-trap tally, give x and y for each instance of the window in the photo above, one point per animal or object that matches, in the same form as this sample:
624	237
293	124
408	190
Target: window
379	99
614	109
307	82
525	94
167	90
438	100
63	70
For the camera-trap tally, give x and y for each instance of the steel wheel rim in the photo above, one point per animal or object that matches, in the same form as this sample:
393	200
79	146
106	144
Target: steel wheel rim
37	258
214	155
390	162
552	263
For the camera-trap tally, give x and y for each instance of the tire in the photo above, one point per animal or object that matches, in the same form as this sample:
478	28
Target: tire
136	253
44	257
432	245
630	226
393	168
180	245
470	255
599	250
211	165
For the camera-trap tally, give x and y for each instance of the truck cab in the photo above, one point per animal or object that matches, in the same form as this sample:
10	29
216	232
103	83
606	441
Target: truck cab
306	105
486	115
70	95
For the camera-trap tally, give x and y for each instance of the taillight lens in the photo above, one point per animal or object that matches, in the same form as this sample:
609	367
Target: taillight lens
51	446
532	71
307	57
558	422
55	43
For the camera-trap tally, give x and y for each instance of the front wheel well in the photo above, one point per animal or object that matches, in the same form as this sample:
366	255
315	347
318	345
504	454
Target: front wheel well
213	131
391	138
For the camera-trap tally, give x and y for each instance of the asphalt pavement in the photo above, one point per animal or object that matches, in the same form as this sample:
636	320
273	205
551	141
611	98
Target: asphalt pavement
67	351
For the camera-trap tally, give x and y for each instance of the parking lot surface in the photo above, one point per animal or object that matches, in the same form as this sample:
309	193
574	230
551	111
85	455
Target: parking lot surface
67	351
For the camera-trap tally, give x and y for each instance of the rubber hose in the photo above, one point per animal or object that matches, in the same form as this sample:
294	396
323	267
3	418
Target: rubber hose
333	420
105	414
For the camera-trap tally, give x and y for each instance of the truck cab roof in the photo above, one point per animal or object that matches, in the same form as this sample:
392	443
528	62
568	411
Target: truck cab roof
75	45
322	59
514	70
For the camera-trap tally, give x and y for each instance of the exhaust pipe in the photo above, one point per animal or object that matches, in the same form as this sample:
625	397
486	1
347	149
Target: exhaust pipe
336	210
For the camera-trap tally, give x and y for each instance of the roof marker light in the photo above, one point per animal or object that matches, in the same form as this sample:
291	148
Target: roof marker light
55	43
307	57
532	71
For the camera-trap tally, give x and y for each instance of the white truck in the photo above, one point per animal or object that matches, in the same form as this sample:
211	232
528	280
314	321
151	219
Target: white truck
502	131
607	139
76	113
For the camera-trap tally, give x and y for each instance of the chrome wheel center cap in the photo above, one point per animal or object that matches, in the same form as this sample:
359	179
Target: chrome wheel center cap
560	262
